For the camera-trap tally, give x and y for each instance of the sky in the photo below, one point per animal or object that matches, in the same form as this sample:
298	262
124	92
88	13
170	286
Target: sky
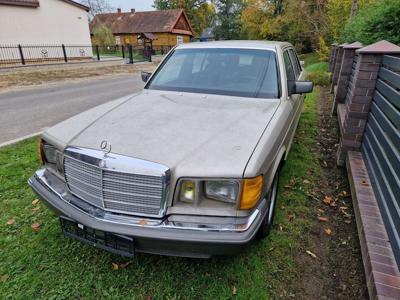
126	5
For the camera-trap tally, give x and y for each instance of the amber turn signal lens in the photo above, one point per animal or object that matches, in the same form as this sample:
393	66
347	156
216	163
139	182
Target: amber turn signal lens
251	192
41	158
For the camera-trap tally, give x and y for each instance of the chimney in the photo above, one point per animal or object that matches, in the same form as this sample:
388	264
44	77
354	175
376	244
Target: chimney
133	10
119	11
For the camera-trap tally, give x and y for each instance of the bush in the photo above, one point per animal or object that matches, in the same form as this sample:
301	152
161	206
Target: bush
375	22
319	77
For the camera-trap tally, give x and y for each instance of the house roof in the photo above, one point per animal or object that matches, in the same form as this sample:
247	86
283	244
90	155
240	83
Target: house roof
171	20
35	3
29	3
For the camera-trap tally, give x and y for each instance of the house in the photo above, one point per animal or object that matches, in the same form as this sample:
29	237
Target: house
43	22
163	27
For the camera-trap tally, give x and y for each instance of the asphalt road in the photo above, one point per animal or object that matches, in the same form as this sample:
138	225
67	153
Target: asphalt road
28	111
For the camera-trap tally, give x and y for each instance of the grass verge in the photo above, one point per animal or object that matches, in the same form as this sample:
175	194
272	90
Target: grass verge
44	264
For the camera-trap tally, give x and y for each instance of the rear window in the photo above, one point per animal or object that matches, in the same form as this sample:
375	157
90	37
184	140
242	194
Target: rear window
235	72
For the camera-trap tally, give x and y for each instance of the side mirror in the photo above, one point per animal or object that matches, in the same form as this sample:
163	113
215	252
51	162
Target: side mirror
145	76
300	87
302	64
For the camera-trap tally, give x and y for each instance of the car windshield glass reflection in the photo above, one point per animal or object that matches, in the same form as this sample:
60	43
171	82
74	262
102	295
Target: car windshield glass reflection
235	72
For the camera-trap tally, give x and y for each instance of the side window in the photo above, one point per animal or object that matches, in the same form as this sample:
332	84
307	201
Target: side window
295	62
288	66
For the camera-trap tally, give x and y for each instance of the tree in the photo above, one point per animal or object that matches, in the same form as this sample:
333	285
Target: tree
97	7
354	6
102	36
199	12
228	19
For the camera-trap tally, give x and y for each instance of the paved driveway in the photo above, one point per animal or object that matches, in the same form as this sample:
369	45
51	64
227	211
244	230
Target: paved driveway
29	111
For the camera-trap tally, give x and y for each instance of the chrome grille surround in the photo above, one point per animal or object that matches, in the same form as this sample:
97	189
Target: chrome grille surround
117	183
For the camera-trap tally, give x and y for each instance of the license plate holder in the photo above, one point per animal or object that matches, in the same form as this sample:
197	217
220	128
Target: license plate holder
115	243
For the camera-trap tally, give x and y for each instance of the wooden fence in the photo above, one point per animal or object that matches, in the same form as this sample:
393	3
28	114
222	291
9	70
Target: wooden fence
381	146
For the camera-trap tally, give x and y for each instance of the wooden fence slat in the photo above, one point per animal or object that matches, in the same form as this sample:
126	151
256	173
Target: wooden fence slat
390	77
392	62
386	125
385	142
390	93
388	109
386	197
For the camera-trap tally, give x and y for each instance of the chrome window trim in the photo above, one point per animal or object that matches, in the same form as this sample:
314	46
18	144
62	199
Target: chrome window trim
122	164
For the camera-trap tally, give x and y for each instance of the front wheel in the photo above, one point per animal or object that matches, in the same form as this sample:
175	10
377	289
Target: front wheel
268	221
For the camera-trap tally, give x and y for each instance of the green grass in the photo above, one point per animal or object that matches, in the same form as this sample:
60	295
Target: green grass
46	265
310	58
317	70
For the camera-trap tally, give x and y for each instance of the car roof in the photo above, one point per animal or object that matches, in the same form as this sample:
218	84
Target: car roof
267	45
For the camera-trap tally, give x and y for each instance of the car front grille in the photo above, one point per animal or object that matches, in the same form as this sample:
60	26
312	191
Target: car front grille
114	191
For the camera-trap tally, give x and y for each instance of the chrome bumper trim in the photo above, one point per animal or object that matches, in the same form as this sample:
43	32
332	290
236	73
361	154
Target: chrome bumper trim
60	190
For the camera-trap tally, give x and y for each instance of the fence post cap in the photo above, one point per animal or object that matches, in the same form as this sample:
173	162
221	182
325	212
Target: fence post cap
381	47
355	45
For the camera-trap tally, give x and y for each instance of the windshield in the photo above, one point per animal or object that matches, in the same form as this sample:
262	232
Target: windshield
235	72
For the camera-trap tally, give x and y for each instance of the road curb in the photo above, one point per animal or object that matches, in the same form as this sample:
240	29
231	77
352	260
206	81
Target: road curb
20	139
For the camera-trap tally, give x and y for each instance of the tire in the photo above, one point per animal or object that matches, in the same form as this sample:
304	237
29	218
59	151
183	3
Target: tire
268	221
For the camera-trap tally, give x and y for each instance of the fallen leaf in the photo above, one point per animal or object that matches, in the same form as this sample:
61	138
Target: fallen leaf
271	249
207	274
343	194
35	227
3	278
328	200
35	202
280	228
311	254
291	218
35	209
328	231
323	219
11	221
143	222
306	181
321	210
234	290
347	221
114	266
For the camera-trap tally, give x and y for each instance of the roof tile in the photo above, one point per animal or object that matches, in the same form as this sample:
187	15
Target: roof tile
140	22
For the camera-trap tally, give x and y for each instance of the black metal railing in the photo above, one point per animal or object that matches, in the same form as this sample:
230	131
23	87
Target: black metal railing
19	55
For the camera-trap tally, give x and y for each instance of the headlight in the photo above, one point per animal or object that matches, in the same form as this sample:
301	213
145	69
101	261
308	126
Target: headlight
188	191
51	156
50	153
226	191
242	193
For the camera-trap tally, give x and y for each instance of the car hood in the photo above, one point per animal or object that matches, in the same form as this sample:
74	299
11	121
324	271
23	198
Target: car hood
192	134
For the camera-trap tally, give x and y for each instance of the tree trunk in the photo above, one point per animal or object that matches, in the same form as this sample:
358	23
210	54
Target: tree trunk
354	6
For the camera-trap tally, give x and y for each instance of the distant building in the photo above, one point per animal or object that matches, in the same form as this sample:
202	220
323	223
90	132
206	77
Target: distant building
207	35
43	22
163	27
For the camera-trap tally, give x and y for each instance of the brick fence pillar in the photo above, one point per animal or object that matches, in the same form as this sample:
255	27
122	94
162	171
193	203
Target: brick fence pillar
340	91
359	96
336	68
332	54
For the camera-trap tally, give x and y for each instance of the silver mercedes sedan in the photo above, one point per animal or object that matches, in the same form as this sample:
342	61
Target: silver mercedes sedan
190	165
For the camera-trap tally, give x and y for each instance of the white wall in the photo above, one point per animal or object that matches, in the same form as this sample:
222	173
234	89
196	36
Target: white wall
53	22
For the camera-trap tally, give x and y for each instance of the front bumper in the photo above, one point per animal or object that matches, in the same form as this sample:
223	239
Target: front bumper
189	236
